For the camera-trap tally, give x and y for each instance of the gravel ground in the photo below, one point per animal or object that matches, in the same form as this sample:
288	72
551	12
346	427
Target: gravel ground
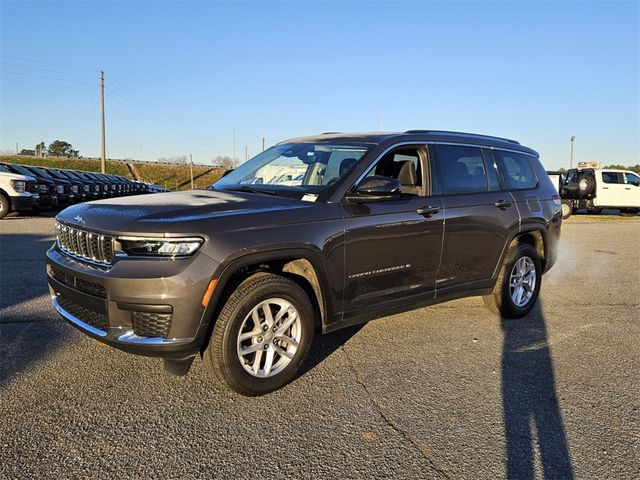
442	392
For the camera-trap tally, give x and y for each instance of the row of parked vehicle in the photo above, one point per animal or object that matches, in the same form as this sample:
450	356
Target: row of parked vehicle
26	188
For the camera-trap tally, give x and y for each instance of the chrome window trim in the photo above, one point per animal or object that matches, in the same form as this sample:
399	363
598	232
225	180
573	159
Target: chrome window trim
429	142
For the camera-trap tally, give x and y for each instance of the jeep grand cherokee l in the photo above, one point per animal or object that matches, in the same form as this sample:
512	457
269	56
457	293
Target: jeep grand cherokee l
244	273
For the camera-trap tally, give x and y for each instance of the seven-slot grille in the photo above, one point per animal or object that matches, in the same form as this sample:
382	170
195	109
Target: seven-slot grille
85	245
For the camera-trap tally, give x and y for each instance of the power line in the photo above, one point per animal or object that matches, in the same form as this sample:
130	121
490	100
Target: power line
47	70
45	84
46	77
46	63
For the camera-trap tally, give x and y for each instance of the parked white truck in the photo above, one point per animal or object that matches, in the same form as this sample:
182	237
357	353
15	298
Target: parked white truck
594	189
18	193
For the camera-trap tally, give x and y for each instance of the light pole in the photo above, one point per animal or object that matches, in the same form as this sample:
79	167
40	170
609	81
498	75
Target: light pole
573	139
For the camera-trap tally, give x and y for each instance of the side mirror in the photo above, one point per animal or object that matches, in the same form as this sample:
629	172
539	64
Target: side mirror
376	188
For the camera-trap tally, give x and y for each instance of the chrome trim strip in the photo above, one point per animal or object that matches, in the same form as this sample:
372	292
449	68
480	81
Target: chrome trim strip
75	320
131	337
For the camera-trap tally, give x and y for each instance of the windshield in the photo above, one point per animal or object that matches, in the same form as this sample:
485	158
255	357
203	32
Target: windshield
294	169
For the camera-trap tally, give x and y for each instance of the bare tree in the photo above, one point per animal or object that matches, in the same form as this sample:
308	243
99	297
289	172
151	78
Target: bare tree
225	162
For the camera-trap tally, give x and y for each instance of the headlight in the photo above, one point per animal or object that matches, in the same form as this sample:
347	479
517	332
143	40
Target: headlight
86	188
60	188
159	247
19	185
74	188
43	188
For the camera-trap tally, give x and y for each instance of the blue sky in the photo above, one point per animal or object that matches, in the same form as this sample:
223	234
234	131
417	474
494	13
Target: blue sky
179	74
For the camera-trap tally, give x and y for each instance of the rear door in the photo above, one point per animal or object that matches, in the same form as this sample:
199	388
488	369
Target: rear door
479	215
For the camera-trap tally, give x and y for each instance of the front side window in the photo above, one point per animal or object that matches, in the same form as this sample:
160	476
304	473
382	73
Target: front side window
516	170
633	179
463	169
404	165
295	169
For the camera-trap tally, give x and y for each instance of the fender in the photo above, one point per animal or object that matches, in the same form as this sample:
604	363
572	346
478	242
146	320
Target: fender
232	264
533	225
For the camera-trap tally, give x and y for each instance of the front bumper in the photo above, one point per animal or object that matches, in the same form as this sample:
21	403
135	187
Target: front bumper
143	306
24	203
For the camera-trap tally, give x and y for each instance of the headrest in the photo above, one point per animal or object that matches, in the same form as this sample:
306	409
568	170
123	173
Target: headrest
407	175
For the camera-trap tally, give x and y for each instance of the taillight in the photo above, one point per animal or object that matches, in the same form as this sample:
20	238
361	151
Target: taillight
557	201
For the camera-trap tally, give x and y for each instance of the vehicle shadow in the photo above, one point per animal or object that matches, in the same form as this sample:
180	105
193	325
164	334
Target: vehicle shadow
29	330
530	404
324	346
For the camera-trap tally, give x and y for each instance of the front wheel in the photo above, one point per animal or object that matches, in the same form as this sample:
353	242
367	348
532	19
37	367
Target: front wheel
262	335
518	284
5	206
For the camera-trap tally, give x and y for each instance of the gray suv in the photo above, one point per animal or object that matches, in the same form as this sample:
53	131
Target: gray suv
312	235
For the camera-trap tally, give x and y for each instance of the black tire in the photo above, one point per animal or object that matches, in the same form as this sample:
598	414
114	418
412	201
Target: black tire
628	212
586	184
567	209
5	206
221	356
500	301
594	211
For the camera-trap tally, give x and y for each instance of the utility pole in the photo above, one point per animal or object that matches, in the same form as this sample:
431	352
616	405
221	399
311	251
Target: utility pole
246	155
17	148
191	169
233	160
103	157
573	139
263	144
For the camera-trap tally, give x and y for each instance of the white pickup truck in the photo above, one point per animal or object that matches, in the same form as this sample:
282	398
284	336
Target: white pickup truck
595	189
18	193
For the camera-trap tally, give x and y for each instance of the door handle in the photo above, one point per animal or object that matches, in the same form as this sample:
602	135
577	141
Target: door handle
502	204
427	211
627	188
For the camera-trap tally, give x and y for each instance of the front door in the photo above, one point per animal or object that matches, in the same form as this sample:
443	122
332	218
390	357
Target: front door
392	247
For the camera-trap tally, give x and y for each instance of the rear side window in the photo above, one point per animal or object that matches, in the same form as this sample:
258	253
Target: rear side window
463	169
612	177
516	170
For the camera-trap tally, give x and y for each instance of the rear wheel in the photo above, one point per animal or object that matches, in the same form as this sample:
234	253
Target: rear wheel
5	206
567	209
628	212
262	335
518	284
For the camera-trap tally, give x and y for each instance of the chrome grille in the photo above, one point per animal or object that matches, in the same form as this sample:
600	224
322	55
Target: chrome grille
84	245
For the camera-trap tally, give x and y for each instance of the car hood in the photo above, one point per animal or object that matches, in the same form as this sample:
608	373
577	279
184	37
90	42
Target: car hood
17	176
165	213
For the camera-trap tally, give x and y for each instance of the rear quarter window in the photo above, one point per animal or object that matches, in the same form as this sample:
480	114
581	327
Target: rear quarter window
516	170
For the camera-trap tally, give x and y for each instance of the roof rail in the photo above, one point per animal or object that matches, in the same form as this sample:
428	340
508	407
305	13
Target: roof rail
476	135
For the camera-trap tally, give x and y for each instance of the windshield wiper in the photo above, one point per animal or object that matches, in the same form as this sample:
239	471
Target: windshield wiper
244	188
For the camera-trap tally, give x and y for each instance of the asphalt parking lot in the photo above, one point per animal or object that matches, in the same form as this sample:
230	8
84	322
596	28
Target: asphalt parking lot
443	392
